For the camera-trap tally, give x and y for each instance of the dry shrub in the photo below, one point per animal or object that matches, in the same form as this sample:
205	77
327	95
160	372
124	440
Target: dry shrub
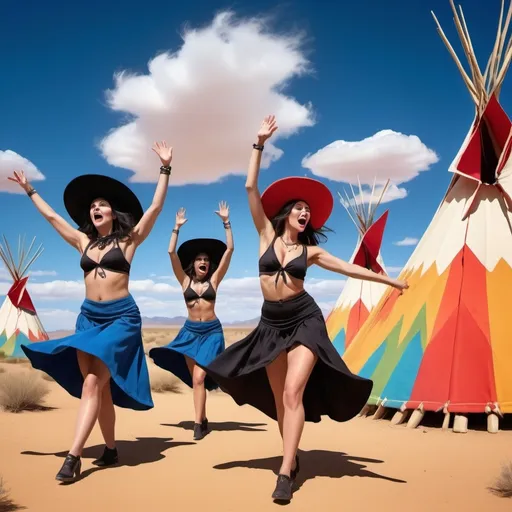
17	360
2	369
22	391
503	485
163	381
6	504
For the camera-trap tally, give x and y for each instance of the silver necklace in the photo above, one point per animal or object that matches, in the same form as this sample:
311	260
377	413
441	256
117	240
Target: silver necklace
293	245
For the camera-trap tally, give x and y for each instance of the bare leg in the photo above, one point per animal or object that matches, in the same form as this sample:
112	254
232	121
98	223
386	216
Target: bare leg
198	375
301	362
276	373
107	417
97	375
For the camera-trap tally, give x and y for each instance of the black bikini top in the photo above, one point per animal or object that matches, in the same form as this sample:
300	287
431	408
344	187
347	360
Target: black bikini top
113	260
191	295
269	264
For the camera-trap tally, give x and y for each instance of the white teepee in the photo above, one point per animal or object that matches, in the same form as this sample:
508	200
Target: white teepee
19	322
358	297
445	344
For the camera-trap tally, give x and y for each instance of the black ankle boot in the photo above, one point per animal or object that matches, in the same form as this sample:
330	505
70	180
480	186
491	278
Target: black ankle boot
204	424
199	431
283	490
70	470
108	458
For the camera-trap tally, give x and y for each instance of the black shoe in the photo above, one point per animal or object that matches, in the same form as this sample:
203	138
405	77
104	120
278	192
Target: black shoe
204	424
199	432
295	472
108	458
70	470
283	490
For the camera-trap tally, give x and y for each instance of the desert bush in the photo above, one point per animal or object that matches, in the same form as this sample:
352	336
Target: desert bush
2	369
22	391
503	485
162	381
6	504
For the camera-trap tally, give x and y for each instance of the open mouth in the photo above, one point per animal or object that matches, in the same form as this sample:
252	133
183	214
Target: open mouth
202	268
98	216
302	222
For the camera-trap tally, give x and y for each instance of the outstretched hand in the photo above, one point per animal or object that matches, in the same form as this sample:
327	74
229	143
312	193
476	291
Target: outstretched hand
180	217
223	211
267	128
401	286
20	179
164	152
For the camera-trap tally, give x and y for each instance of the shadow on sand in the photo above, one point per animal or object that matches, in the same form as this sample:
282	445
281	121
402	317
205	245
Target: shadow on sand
223	426
144	450
317	463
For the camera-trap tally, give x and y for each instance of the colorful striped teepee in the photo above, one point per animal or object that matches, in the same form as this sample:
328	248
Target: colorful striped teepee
19	322
445	345
358	298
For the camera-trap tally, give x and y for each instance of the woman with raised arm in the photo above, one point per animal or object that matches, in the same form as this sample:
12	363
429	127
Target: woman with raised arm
103	363
287	367
199	266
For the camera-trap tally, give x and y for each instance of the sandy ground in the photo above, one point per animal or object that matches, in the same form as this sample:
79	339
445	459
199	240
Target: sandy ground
359	465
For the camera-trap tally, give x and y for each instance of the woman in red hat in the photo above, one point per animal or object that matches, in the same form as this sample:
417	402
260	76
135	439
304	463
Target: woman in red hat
287	367
103	363
199	265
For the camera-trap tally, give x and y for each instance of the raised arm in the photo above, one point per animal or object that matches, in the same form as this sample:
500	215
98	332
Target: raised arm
218	275
70	234
261	222
325	260
146	223
175	261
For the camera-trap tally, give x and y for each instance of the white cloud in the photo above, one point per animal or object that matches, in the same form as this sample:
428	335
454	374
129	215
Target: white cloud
365	197
407	241
11	161
207	100
57	319
42	273
385	155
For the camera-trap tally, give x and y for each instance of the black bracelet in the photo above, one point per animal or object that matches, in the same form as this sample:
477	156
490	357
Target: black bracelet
165	169
31	192
176	231
258	147
227	224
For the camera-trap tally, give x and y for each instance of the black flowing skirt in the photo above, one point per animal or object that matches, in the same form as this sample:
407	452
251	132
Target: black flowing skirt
332	389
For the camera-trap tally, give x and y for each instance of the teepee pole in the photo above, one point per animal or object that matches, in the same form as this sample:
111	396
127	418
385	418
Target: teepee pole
11	260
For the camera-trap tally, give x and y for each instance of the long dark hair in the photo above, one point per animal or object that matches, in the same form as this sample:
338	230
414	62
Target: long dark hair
122	226
309	236
191	271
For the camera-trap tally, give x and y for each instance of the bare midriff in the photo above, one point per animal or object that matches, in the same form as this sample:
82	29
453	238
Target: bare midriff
283	290
201	310
111	287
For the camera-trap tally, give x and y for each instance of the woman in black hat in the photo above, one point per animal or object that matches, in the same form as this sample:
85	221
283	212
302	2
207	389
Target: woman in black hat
287	367
199	266
103	363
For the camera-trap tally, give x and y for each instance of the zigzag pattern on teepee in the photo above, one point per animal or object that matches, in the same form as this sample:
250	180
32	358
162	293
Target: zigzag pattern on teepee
19	323
444	345
358	298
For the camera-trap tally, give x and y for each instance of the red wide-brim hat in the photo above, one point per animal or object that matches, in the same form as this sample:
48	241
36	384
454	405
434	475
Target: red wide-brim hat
313	192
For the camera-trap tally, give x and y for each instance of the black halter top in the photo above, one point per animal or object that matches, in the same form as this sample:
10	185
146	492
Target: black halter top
191	295
113	260
269	264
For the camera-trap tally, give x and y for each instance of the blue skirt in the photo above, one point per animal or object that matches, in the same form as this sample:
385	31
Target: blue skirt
110	331
201	341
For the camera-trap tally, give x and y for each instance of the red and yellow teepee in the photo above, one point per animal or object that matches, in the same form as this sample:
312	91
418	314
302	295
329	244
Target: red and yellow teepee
446	343
19	322
358	298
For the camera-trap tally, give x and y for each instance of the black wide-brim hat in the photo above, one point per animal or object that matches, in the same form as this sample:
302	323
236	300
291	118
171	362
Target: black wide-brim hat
188	250
83	190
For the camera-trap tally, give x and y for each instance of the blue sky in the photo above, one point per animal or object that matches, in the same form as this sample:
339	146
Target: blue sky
372	66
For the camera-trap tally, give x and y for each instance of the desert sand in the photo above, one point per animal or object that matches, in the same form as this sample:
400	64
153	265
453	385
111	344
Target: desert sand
363	464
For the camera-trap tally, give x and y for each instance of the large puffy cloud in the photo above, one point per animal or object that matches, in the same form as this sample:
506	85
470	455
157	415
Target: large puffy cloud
11	161
207	100
385	155
372	195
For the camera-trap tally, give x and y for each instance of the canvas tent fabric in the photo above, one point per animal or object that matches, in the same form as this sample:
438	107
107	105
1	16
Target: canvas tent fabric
358	298
19	322
445	343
